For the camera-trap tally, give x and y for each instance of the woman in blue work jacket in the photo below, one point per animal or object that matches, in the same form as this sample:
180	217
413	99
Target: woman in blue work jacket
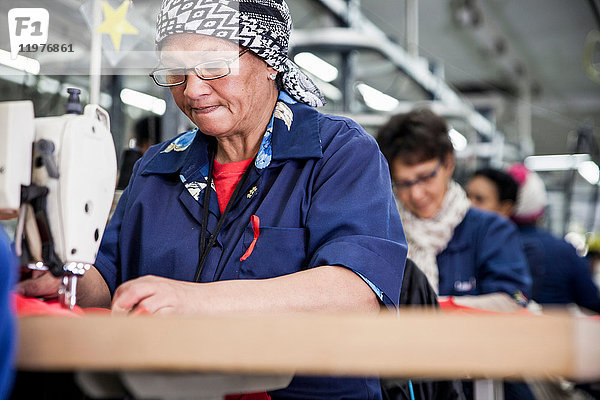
462	250
470	255
267	206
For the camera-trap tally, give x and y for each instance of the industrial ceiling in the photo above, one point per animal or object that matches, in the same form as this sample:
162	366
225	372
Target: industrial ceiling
495	54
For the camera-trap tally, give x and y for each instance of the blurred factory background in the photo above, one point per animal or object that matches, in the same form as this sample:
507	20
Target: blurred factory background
514	78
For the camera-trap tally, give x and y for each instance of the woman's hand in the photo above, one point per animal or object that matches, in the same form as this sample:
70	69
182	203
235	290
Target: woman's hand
154	295
92	290
41	284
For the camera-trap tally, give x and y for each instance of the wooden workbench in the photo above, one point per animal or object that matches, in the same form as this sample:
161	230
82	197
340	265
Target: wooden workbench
413	345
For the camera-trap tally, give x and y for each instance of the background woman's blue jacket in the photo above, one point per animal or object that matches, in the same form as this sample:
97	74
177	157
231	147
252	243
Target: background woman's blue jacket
484	256
562	277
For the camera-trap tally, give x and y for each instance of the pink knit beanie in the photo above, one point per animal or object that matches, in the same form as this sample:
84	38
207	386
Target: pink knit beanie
531	196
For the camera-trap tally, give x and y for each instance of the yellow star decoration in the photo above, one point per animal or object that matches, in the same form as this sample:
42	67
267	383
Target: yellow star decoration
115	23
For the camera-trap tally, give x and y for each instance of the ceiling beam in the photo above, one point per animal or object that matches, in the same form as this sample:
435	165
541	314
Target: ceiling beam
366	34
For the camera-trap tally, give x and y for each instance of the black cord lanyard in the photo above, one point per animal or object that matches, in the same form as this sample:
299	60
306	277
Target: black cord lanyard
206	247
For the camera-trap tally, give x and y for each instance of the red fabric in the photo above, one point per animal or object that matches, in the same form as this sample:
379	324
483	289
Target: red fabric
226	177
448	305
256	229
27	306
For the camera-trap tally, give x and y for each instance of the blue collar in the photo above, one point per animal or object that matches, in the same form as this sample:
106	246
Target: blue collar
293	133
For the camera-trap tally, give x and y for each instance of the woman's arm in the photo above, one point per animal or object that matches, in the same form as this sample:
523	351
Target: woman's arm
502	262
326	289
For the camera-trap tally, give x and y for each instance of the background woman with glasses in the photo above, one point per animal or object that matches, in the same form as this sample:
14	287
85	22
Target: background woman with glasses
472	255
262	207
463	251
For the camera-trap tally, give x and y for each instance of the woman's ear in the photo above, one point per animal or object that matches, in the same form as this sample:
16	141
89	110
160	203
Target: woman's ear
507	208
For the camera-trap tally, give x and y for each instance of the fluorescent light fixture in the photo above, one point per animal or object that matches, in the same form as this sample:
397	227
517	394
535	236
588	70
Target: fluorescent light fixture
458	140
556	162
143	101
377	100
589	171
21	63
317	66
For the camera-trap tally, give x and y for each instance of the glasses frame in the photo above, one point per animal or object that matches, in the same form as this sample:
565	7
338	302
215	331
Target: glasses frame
405	185
194	69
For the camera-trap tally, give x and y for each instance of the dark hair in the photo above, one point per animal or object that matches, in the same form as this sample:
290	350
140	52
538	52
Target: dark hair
415	137
505	184
148	130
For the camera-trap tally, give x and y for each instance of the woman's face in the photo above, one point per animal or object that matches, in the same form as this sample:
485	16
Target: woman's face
484	195
422	187
235	104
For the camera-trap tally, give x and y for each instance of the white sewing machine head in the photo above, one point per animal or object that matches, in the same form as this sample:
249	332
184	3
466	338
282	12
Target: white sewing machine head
58	175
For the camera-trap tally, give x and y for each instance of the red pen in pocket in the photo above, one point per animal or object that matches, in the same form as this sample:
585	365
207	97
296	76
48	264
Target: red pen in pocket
255	228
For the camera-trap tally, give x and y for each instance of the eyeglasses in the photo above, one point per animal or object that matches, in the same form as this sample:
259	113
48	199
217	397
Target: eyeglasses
207	71
405	185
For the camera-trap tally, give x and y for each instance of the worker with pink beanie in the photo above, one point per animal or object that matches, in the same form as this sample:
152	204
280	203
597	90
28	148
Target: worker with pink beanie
560	275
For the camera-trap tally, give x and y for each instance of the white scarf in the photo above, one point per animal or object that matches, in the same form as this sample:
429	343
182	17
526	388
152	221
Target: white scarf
428	237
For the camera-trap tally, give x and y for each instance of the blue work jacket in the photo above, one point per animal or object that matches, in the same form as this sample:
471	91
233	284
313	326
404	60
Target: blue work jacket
562	277
484	256
322	191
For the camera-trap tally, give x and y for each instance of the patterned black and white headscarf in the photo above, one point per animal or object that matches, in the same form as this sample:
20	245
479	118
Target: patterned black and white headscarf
263	26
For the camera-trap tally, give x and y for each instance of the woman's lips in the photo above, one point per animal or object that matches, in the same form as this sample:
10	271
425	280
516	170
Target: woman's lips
204	110
421	206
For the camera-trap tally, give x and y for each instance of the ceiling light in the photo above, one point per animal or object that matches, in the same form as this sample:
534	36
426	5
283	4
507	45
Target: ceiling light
589	171
459	142
377	100
143	101
556	162
317	66
21	63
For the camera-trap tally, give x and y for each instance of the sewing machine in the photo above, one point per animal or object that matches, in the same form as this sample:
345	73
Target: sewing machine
57	175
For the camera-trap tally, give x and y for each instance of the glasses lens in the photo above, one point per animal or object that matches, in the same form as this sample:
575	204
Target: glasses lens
403	185
213	69
169	76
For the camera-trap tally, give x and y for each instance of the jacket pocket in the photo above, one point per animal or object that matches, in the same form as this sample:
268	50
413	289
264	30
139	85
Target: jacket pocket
275	252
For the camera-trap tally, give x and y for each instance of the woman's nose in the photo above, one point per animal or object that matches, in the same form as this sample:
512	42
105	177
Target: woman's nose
417	191
196	87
